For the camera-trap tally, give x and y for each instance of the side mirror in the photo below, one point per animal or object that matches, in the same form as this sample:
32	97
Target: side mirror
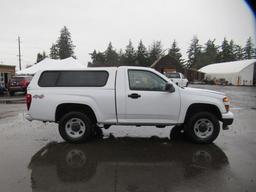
169	87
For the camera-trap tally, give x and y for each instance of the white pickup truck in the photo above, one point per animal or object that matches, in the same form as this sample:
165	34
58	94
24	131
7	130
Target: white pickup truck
81	101
178	78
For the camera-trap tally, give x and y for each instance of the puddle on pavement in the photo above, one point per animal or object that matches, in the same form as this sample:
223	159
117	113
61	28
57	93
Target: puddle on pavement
125	163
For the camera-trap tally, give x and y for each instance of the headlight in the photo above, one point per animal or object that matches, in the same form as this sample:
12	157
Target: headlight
225	99
226	103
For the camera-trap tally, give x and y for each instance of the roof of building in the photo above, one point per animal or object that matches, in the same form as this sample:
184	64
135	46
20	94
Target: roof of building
227	67
49	64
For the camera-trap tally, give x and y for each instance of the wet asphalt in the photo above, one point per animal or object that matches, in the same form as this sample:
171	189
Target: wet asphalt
33	157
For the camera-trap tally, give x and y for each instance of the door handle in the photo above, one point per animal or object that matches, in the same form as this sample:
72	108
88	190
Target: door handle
134	95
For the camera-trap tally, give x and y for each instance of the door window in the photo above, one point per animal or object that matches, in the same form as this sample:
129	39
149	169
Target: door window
145	81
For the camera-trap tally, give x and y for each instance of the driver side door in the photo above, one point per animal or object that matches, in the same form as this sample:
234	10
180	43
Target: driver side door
147	101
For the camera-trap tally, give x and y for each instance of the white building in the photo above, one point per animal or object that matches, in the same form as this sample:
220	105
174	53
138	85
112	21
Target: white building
48	64
236	72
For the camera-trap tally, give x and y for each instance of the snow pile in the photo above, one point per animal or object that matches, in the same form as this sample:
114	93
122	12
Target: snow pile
49	64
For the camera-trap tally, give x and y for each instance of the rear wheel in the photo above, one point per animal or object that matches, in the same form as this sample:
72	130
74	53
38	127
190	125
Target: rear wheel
202	127
75	127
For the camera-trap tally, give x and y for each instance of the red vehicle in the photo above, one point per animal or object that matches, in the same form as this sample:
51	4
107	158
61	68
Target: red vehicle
18	84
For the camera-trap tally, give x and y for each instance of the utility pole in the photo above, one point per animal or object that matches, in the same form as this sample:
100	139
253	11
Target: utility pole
19	53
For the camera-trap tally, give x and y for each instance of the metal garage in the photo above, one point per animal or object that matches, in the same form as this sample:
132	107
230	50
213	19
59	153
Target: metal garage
234	73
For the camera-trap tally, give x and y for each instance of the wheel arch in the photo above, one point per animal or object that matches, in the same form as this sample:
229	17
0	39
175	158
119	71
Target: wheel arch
199	107
64	108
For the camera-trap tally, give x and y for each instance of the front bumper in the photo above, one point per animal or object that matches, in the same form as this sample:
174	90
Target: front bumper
227	119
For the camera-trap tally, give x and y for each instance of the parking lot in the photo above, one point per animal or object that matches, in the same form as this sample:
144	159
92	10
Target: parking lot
33	157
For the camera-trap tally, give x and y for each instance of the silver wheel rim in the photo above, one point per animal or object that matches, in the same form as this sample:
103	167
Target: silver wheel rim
203	128
75	128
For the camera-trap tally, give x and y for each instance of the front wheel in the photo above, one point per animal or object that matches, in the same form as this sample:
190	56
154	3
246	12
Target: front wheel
202	127
75	127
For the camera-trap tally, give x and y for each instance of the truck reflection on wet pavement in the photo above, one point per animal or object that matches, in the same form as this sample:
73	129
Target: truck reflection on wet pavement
126	164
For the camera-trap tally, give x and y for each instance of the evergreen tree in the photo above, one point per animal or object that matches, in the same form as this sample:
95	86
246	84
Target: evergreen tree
129	55
111	57
249	50
40	57
232	46
227	51
141	55
98	59
121	57
238	51
93	58
209	54
194	54
64	44
175	53
54	51
211	51
155	51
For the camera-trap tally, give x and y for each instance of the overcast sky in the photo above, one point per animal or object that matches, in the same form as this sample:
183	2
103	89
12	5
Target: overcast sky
93	23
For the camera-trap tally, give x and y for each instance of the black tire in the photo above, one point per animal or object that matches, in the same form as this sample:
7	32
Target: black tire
177	132
97	133
86	124
192	128
11	93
